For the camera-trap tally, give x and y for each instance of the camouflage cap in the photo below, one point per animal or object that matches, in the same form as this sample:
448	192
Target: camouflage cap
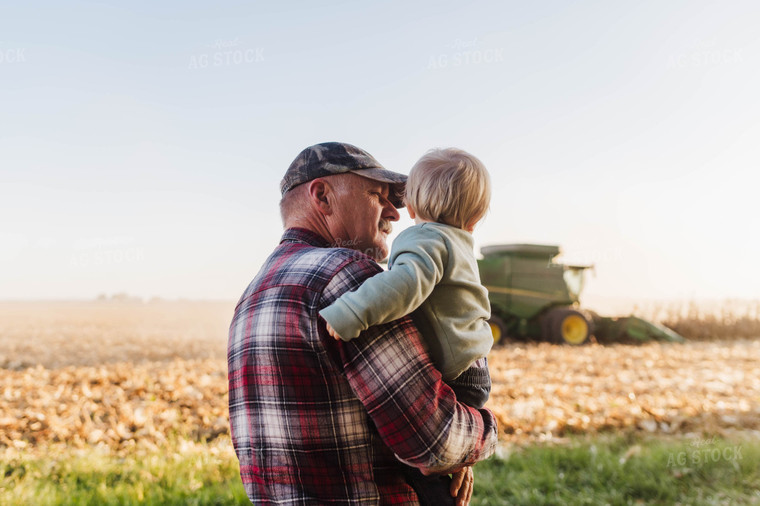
329	158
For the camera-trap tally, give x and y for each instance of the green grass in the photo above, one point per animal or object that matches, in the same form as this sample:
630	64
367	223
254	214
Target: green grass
595	471
587	471
181	474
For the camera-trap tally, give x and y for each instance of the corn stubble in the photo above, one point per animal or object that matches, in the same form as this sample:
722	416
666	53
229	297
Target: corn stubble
544	392
125	377
117	406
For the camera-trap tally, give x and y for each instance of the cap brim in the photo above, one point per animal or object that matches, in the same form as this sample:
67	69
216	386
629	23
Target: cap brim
396	181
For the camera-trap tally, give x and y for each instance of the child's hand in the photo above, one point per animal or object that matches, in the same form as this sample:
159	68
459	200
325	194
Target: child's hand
332	332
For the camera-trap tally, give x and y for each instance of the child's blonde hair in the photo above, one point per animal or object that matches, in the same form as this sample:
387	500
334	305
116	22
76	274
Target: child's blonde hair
449	186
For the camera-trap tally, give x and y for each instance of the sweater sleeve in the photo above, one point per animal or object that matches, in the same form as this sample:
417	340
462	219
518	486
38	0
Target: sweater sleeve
417	263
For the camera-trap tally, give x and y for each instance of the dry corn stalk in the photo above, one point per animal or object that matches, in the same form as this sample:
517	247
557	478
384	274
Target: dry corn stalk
118	376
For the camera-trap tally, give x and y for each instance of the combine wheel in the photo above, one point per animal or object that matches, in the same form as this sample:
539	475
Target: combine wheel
498	329
568	326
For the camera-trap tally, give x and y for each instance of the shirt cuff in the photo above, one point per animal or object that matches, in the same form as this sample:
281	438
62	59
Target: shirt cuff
342	320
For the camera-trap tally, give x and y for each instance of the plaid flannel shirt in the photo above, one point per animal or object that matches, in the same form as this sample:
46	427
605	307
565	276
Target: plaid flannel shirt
315	420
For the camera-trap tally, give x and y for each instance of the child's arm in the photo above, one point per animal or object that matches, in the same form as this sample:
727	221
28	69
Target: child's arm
417	264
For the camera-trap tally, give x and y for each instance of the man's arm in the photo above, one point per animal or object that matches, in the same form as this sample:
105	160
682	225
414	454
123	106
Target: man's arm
415	412
417	264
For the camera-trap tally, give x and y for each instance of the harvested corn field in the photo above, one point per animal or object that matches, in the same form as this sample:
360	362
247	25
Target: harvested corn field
134	375
543	391
117	406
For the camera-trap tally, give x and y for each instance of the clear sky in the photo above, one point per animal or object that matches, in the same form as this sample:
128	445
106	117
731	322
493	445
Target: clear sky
142	143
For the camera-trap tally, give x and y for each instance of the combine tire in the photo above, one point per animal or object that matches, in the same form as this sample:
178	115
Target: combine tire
498	329
567	326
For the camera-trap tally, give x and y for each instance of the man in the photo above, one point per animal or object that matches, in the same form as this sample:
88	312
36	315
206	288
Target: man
315	420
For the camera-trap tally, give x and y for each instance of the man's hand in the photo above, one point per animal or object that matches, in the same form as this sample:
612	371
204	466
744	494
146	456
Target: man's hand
332	332
461	485
462	481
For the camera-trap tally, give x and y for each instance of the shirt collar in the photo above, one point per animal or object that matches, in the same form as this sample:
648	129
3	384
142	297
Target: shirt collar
304	235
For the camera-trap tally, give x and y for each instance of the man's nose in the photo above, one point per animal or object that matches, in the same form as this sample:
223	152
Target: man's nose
390	212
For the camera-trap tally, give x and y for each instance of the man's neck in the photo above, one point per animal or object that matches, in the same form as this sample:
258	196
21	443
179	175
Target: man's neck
311	225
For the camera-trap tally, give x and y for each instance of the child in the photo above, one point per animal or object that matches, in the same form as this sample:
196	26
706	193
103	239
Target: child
433	274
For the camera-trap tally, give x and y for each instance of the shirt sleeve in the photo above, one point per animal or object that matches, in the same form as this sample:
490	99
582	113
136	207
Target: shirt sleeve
417	263
416	414
473	386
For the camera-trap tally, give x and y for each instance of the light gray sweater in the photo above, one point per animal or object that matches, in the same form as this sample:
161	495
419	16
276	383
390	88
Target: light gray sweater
432	269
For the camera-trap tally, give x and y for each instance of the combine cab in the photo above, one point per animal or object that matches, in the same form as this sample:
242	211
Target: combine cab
533	297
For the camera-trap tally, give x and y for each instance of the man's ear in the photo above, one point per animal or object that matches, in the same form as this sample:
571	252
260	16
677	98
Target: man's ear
321	196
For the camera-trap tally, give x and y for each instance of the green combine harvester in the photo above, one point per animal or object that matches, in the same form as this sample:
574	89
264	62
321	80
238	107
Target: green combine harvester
533	297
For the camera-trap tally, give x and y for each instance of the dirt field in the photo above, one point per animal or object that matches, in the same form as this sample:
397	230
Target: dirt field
122	376
57	334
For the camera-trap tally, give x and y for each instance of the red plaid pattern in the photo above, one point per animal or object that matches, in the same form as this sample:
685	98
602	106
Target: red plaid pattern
317	421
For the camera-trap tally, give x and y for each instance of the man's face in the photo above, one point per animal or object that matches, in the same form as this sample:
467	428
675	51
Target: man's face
362	216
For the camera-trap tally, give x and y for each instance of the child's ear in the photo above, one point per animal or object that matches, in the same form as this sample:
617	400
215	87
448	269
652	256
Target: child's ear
471	225
410	210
